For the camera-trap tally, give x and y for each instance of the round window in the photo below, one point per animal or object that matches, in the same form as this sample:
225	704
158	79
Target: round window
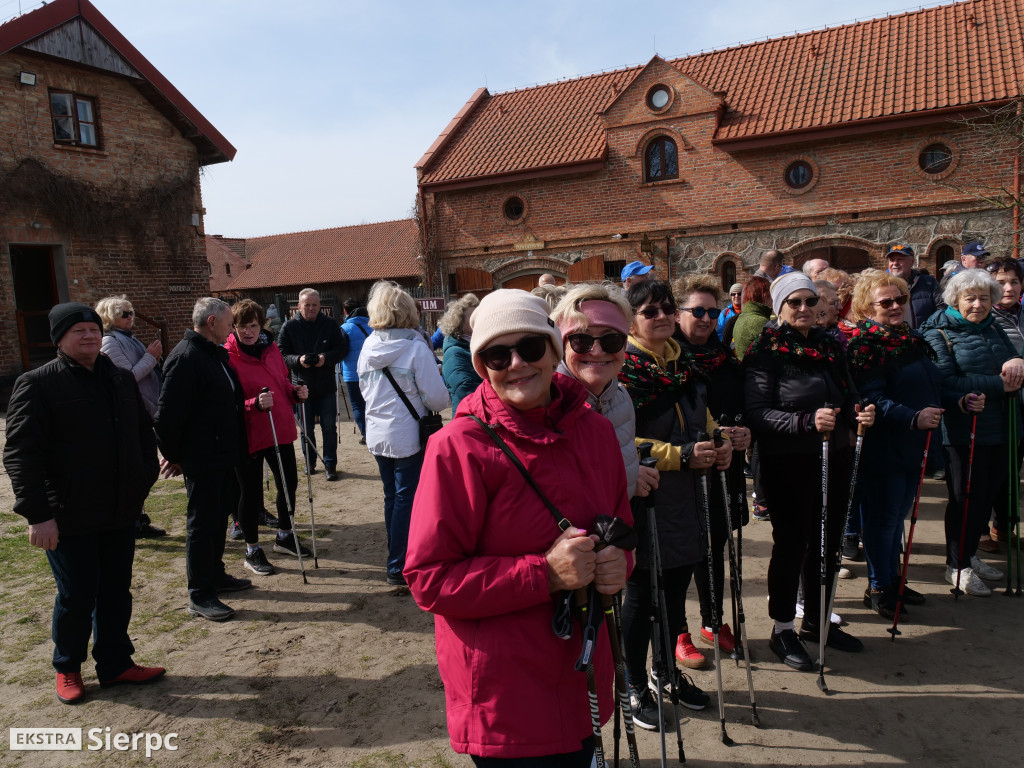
798	174
658	97
935	158
514	208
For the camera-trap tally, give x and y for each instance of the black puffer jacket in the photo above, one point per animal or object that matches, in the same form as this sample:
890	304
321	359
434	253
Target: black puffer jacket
80	446
200	417
783	393
323	336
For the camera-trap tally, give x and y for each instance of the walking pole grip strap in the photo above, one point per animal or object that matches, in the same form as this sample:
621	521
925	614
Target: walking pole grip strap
560	520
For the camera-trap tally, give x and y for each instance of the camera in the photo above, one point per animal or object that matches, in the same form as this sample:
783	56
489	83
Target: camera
310	359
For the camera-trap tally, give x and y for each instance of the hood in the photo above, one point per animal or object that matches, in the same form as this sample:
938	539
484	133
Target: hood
454	341
384	347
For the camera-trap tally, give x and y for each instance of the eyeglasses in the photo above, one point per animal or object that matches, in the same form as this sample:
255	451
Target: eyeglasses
529	348
887	303
810	301
665	308
1003	265
736	294
699	312
582	343
126	313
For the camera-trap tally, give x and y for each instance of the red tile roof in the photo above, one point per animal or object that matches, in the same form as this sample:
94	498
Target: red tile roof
950	57
213	147
386	250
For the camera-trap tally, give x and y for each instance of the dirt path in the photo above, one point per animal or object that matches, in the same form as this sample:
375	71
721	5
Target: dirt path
341	672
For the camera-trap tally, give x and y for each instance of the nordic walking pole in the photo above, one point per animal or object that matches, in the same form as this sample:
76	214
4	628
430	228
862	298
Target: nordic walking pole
823	617
737	592
1013	475
660	640
309	490
611	621
307	444
893	630
861	431
956	590
715	621
266	475
284	490
589	618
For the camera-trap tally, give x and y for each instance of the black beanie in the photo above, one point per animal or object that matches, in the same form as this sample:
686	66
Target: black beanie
63	316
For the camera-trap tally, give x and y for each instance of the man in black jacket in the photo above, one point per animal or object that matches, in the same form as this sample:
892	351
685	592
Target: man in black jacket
81	457
201	429
922	287
312	345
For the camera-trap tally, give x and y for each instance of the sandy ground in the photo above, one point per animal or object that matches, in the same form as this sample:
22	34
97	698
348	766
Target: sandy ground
341	671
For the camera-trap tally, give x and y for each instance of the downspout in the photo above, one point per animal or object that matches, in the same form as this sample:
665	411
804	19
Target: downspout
1016	194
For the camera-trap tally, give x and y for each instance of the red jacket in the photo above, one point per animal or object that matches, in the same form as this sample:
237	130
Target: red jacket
268	371
476	560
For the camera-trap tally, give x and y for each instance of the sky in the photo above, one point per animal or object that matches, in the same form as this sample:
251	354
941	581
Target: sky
330	103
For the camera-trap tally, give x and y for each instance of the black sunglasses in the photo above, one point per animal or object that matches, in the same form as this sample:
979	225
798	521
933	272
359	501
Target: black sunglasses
582	343
529	348
699	312
810	301
126	313
887	303
665	308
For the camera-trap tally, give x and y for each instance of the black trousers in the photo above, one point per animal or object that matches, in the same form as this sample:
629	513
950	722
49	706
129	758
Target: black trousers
581	758
636	617
988	475
793	487
251	502
210	498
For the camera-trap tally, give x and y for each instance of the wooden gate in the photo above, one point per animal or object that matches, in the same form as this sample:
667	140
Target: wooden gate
589	270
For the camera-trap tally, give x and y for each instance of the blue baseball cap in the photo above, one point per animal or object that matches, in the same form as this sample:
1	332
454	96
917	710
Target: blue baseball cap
901	250
635	268
974	248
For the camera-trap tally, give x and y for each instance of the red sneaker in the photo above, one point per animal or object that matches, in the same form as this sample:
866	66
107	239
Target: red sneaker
687	653
70	688
726	642
135	675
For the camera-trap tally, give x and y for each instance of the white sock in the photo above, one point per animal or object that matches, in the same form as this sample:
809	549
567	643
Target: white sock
781	626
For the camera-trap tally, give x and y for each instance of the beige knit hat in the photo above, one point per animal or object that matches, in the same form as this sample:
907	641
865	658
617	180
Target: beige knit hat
510	311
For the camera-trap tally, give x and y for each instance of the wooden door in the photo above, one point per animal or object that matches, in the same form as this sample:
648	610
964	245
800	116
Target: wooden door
35	292
589	270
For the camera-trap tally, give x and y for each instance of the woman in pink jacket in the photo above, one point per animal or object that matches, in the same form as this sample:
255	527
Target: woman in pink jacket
259	364
486	555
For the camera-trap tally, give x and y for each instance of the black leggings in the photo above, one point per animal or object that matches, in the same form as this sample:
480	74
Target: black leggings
251	502
636	617
581	758
988	475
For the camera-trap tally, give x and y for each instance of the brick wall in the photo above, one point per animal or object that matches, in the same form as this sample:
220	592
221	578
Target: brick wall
139	149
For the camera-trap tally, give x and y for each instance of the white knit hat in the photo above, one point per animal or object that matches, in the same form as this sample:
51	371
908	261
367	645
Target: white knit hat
510	311
785	285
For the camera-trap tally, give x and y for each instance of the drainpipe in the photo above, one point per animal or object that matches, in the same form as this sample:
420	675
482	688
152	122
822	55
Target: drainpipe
1016	196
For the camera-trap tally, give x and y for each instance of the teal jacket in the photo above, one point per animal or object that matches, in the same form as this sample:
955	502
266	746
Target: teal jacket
457	368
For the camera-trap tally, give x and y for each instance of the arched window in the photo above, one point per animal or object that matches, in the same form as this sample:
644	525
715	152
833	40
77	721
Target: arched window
728	275
943	254
661	160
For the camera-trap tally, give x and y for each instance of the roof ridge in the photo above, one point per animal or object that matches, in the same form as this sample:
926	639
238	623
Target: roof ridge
329	229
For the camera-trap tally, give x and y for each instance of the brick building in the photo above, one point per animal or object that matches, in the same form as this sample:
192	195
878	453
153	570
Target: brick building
225	260
99	179
339	263
833	143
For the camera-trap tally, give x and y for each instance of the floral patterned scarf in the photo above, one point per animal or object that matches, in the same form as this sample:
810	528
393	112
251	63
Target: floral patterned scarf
874	346
792	347
654	388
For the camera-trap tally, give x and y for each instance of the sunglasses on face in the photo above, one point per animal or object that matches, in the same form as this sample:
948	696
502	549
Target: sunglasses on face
665	308
126	313
529	348
582	343
810	301
699	312
887	303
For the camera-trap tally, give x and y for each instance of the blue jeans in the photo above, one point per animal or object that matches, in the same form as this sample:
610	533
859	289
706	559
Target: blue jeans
326	407
358	405
400	478
888	497
94	579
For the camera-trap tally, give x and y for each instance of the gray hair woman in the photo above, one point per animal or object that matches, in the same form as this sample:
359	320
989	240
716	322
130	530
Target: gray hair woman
979	363
457	363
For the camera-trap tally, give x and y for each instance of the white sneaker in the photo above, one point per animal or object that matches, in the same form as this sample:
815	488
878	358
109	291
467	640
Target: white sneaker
985	570
845	573
835	618
969	582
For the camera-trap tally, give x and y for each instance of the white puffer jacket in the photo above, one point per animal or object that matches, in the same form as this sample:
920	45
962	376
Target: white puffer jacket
390	429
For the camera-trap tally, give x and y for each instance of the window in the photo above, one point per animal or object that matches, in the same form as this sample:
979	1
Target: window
659	97
935	158
74	119
227	268
728	275
798	174
661	160
514	208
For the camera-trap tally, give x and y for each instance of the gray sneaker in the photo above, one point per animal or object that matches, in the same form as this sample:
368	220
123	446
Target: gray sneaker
212	609
258	564
985	570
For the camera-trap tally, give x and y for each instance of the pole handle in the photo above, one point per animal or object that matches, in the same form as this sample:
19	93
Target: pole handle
862	429
825	435
646	460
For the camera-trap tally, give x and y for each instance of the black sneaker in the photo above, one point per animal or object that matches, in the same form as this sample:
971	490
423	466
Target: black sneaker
257	563
267	520
787	646
396	580
212	609
910	596
331	475
851	548
690	696
883	602
235	532
362	441
645	709
286	546
229	583
837	638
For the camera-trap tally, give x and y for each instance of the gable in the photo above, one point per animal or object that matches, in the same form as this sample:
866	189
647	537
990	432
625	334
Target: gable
78	42
685	97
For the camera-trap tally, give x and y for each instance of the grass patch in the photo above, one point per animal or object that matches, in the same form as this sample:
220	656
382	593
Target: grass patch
383	758
191	633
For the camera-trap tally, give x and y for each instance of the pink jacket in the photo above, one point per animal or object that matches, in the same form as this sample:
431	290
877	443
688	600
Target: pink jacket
268	371
476	560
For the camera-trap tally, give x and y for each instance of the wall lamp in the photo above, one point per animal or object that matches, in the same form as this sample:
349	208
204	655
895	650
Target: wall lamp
27	78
